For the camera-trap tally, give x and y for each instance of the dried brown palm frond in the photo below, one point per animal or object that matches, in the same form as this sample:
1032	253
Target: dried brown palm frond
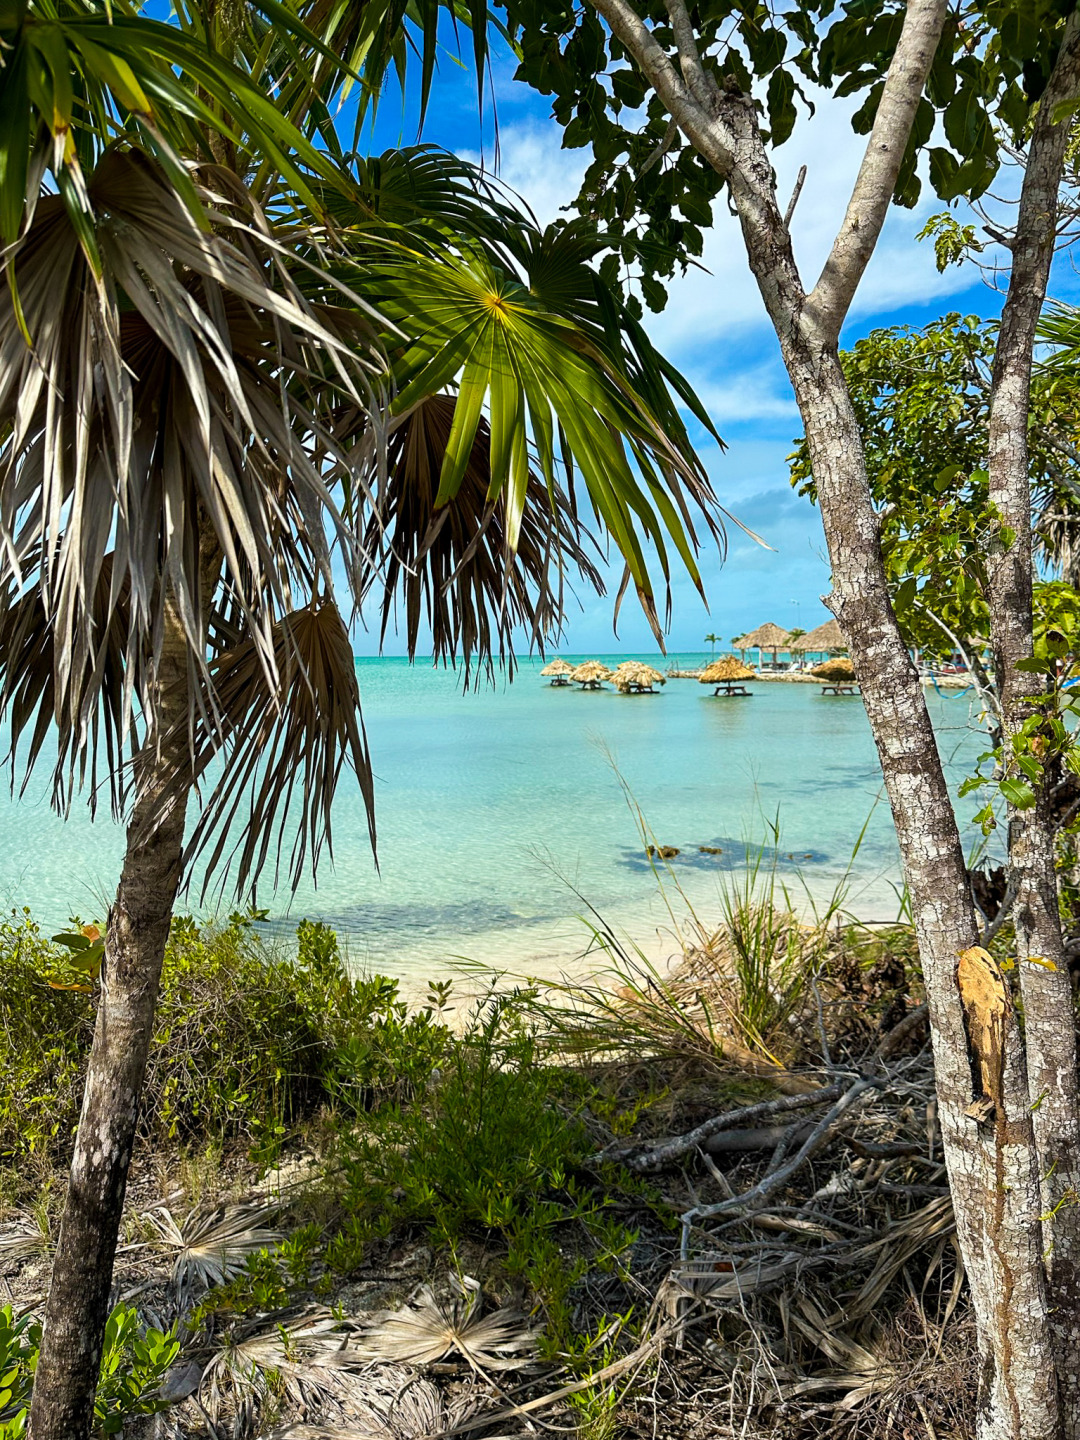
24	1238
182	405
391	1402
284	742
431	1329
308	1354
211	1244
451	566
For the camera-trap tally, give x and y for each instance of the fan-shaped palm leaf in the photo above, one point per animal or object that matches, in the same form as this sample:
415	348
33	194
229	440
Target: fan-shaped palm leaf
212	1244
482	331
149	417
74	73
431	1328
286	731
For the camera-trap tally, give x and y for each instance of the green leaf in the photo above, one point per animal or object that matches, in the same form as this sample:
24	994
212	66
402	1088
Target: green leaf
1018	793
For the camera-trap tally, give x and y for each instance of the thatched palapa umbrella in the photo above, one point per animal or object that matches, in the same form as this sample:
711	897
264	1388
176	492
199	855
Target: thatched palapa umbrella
560	672
590	675
727	671
765	637
634	677
826	639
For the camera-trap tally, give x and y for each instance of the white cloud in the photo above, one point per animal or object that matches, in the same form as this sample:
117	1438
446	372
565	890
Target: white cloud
758	392
532	162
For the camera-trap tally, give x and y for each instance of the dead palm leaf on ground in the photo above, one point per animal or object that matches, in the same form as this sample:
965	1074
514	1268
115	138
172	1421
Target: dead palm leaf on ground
212	1245
433	1329
393	1403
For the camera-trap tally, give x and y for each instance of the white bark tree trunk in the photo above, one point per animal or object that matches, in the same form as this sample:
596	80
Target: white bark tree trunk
1050	1027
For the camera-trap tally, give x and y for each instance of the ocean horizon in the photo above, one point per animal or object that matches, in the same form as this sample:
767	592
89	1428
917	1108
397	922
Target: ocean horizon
510	818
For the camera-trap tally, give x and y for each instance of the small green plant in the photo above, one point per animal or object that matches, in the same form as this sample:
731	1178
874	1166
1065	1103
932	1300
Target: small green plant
134	1362
249	1042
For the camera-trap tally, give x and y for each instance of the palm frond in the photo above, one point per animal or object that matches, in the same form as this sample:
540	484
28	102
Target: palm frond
432	1328
481	330
284	733
391	1402
211	1244
453	566
75	74
194	391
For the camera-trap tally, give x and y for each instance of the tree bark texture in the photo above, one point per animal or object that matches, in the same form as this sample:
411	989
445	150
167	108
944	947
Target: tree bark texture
992	1166
1050	1027
138	928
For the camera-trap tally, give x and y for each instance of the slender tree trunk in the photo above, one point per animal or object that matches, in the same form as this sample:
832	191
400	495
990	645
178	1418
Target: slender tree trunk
138	928
992	1167
1050	1026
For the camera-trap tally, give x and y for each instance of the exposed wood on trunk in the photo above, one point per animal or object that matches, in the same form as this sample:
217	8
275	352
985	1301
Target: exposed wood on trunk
1048	1002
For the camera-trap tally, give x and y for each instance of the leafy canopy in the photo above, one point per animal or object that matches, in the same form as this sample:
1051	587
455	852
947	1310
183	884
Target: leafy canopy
649	188
922	400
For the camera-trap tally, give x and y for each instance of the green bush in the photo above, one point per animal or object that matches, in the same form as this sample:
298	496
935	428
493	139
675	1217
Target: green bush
493	1149
134	1362
248	1042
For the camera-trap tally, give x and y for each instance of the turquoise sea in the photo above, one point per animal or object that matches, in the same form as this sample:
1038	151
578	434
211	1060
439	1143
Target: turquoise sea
502	816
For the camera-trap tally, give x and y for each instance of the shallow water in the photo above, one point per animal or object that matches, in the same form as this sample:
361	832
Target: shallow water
496	806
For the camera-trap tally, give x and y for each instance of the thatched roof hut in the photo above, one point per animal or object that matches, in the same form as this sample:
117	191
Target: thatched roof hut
765	637
822	640
634	677
590	674
559	672
724	669
840	669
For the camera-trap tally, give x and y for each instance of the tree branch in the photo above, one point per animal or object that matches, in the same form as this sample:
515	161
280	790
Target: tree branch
828	302
699	126
689	59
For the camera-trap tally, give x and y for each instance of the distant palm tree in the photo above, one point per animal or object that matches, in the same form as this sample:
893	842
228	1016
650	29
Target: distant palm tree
226	378
712	640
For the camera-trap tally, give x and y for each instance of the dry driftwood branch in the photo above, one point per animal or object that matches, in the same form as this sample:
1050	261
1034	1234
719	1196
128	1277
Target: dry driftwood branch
892	1041
814	1141
730	1142
664	1151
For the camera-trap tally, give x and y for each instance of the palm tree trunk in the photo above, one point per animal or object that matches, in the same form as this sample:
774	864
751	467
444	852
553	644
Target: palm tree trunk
138	928
1050	1029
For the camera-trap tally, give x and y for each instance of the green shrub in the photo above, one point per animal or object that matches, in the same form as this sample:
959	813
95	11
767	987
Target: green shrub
493	1149
134	1362
247	1041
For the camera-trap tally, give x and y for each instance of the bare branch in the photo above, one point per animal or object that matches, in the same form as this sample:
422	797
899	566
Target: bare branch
689	58
813	1142
799	183
679	1145
828	302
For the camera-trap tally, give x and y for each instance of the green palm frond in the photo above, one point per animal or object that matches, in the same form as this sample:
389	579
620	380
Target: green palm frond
74	74
538	376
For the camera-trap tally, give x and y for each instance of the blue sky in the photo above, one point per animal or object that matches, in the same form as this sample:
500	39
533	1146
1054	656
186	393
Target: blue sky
716	331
